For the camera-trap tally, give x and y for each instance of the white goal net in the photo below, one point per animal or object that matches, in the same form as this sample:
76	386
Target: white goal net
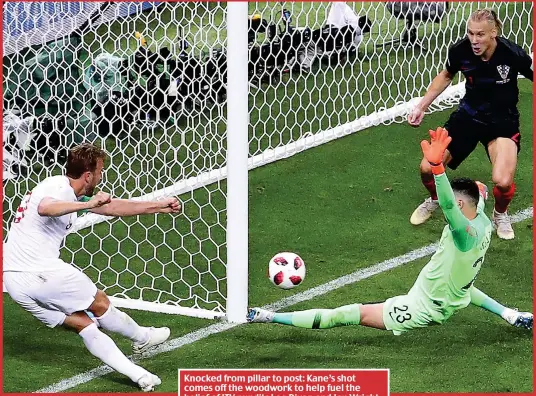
149	83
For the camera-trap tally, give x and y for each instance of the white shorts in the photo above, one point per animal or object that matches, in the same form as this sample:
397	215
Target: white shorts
51	296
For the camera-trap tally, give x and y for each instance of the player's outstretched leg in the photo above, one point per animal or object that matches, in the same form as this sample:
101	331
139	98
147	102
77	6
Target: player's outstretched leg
425	210
112	319
515	318
103	347
310	319
354	314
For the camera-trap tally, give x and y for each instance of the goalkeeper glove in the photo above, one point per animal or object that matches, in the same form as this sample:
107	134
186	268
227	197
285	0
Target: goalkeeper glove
483	189
435	151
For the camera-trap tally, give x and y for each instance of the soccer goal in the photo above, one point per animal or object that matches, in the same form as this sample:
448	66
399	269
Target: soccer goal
187	98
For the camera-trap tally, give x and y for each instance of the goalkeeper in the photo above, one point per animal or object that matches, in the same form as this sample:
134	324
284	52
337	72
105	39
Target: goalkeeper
444	285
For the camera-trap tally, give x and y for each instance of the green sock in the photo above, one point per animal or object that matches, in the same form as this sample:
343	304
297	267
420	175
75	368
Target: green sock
321	318
482	300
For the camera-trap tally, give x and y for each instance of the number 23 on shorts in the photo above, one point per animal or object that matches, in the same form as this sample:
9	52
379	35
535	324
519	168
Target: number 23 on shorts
400	313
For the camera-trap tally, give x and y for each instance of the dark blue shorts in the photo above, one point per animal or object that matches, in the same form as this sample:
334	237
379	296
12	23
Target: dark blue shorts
467	131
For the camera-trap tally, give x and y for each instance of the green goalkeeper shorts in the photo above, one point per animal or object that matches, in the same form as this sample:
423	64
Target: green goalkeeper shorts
407	312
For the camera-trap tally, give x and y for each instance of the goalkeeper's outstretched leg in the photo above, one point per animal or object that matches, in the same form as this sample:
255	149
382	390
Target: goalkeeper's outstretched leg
370	315
513	317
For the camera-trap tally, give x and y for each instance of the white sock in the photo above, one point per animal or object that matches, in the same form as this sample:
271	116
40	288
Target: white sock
119	322
103	347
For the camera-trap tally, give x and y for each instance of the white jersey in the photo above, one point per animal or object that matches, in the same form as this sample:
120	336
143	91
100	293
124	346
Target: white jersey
341	15
34	241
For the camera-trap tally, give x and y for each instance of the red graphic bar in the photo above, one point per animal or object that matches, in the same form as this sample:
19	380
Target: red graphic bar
280	382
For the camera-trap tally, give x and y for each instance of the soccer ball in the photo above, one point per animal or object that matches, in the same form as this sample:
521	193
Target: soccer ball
286	270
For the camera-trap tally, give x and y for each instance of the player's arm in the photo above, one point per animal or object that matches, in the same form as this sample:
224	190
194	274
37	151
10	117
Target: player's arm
464	234
52	207
127	207
443	79
439	84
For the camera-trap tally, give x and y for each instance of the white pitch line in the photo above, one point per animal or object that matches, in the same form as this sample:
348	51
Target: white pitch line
308	294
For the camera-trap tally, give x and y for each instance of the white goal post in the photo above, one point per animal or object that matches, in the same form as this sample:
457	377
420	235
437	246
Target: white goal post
187	98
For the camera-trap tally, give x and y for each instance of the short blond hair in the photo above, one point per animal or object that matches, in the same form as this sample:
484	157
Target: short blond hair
488	15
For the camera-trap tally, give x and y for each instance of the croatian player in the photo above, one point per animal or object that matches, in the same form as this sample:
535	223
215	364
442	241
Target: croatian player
487	113
444	285
57	293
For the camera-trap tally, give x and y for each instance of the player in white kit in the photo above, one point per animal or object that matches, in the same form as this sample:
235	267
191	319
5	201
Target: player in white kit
57	293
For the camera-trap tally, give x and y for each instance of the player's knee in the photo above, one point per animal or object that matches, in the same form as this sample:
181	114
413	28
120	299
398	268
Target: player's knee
366	313
502	181
372	315
100	305
77	321
425	167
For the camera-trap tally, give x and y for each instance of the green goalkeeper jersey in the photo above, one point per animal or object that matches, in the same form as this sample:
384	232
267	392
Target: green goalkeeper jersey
443	284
